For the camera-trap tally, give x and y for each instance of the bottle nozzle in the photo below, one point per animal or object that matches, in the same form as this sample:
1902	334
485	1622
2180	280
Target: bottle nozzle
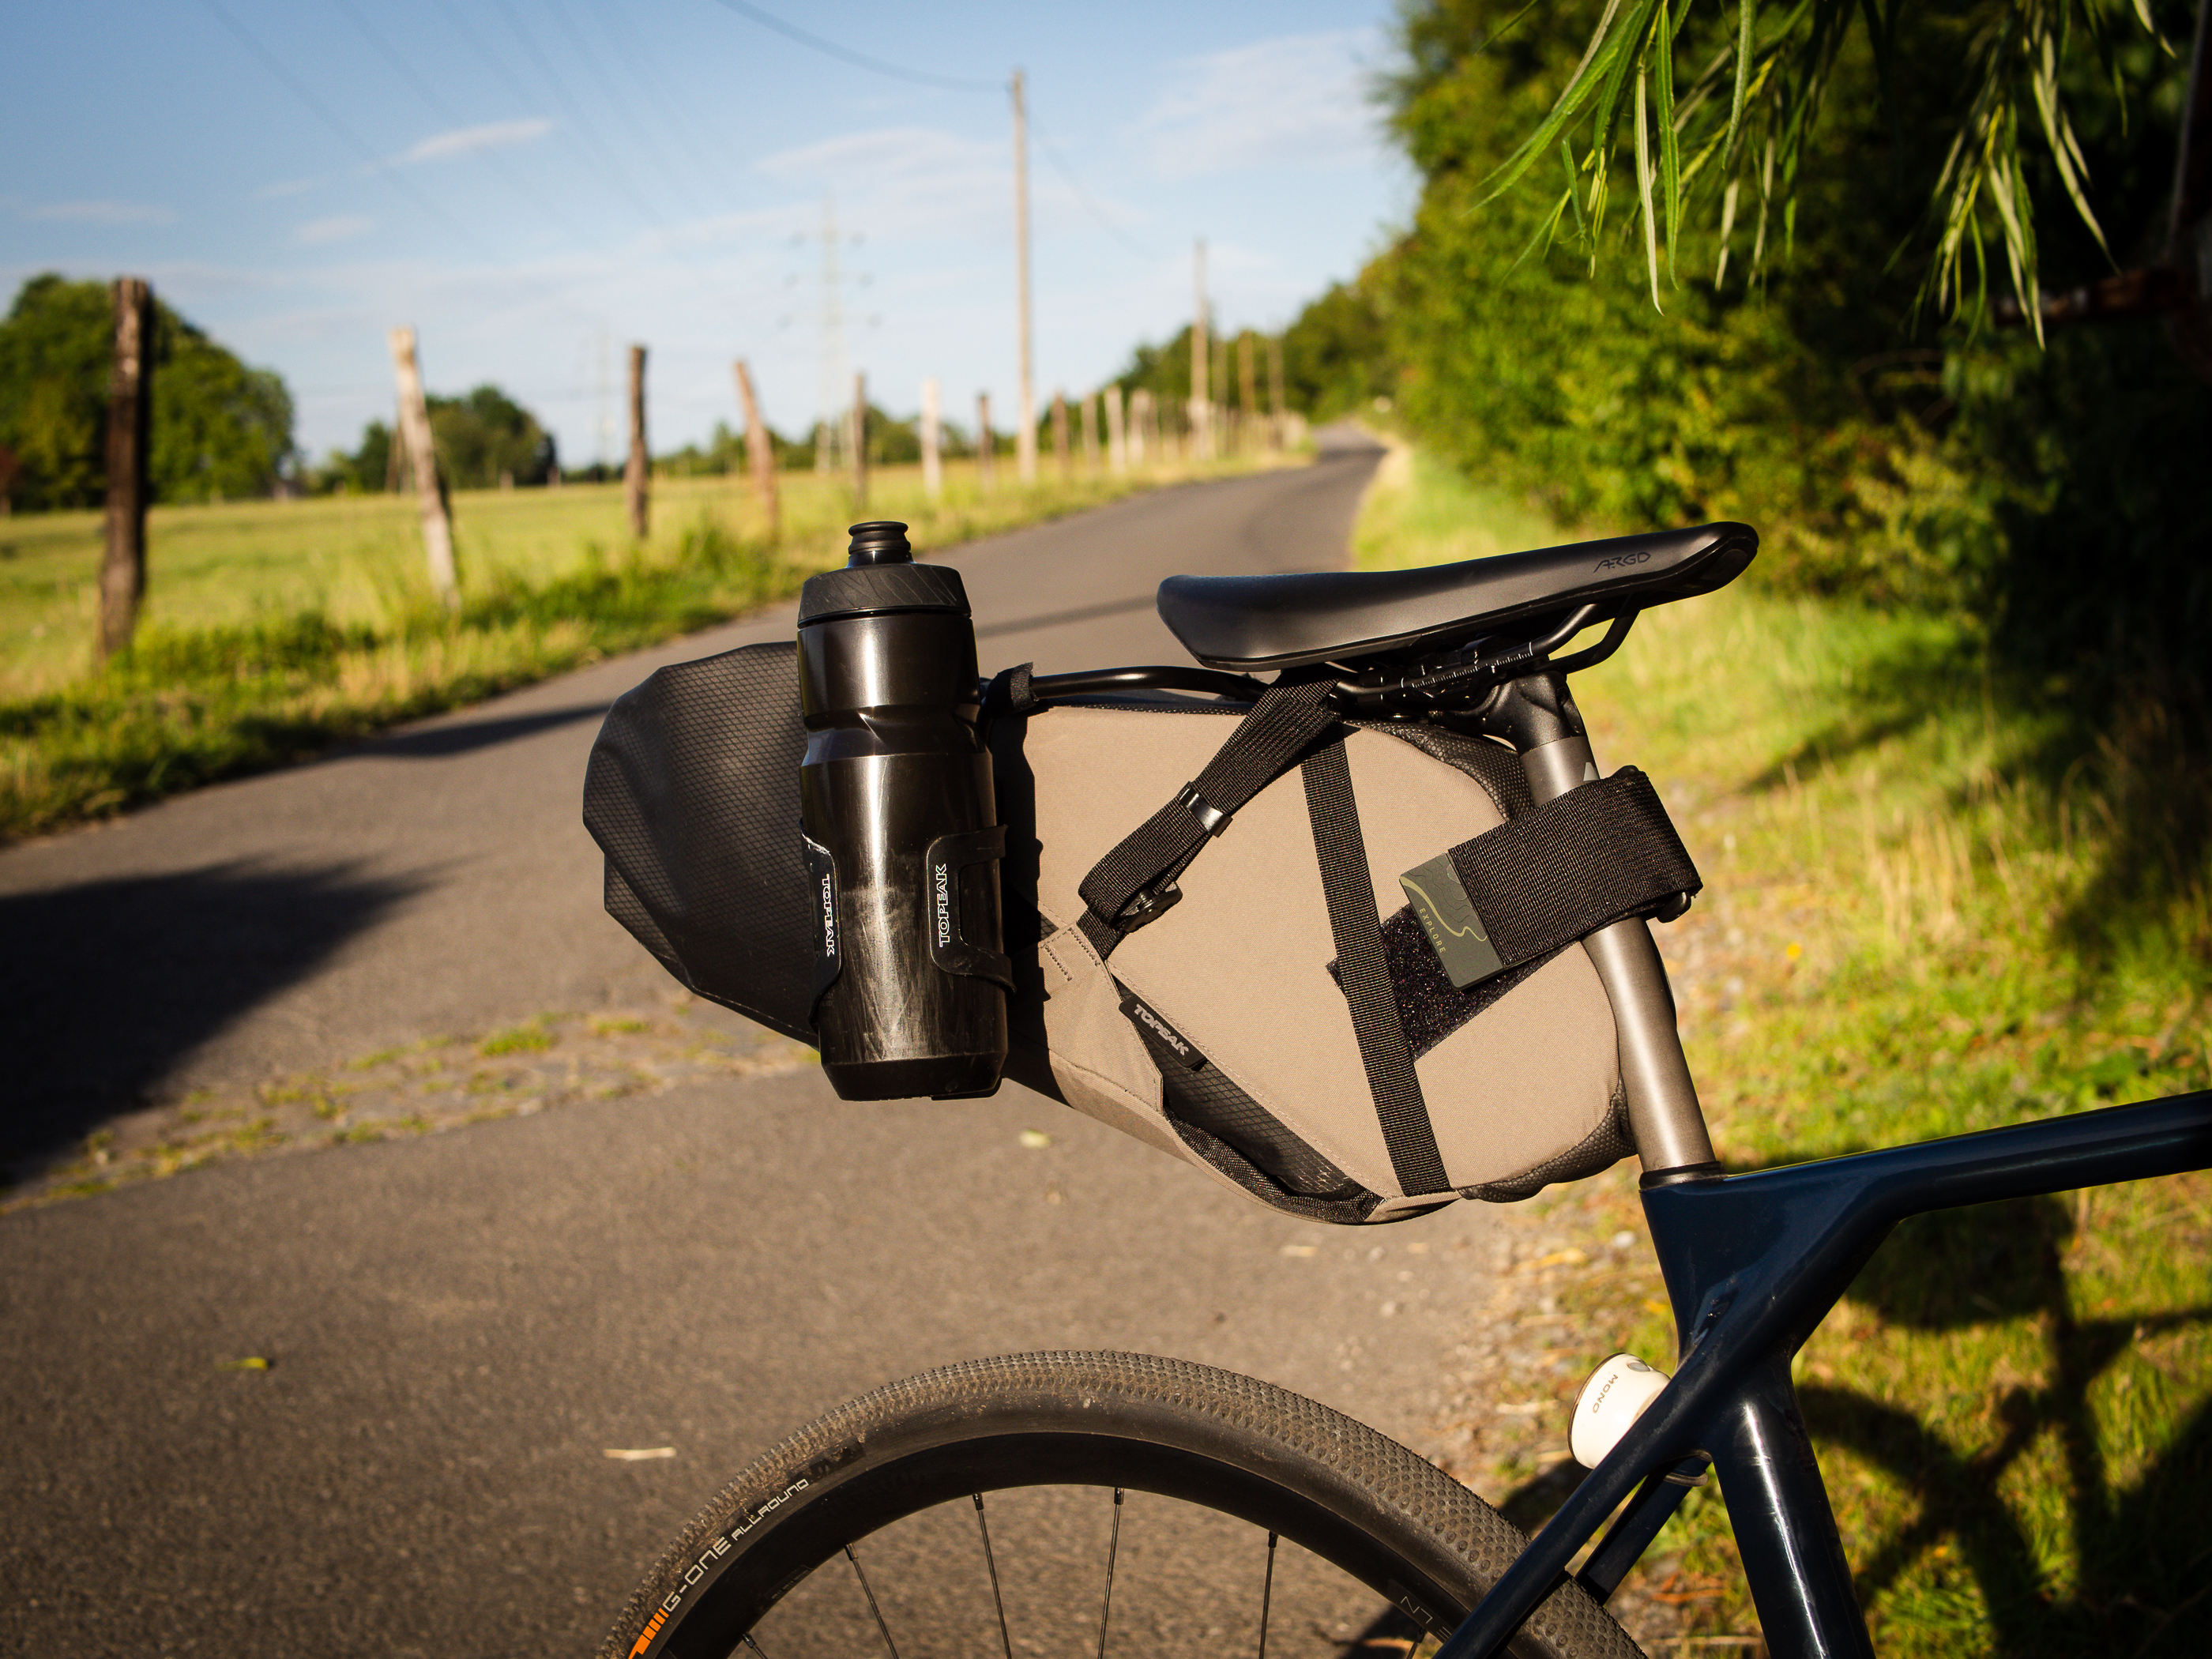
880	541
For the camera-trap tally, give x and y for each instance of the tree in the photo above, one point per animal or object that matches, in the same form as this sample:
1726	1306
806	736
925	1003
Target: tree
1882	453
485	436
222	430
1737	130
1337	355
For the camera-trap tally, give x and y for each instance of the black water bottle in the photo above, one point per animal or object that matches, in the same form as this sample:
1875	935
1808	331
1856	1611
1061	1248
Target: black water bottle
903	841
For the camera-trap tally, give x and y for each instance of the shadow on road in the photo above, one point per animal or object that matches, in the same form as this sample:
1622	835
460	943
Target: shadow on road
1063	618
438	741
106	986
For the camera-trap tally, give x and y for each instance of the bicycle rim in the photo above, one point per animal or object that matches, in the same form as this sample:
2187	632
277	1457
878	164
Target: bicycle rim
1089	1504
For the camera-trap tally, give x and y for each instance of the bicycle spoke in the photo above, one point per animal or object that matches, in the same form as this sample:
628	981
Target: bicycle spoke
1113	1548
748	1639
888	1645
991	1561
1266	1595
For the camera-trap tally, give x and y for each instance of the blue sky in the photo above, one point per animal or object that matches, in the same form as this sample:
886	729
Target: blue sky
535	184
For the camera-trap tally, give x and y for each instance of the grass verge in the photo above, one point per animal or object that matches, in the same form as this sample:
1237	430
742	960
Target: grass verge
276	629
1924	915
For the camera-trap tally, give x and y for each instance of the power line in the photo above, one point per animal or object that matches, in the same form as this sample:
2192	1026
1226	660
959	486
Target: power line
650	145
602	155
376	163
691	140
880	67
456	17
447	113
1052	155
860	59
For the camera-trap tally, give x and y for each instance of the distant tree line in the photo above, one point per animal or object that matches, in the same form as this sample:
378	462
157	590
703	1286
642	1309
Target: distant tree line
1337	357
222	431
484	440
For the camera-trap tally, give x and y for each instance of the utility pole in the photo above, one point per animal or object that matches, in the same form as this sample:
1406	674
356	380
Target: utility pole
1201	358
932	464
129	434
860	433
422	458
637	476
1091	435
760	452
1117	435
1025	446
986	449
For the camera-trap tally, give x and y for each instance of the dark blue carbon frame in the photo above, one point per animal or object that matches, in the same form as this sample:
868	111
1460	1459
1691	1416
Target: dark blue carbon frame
1754	1262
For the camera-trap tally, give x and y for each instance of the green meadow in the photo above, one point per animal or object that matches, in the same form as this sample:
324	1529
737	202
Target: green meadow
275	629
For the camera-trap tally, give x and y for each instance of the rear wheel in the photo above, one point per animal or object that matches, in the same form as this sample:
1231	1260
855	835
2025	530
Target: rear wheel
1083	1503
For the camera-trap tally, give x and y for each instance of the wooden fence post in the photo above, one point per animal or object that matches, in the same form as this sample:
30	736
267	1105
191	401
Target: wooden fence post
859	431
1117	435
1091	435
1248	386
637	476
986	449
1220	410
1201	361
760	452
1060	435
422	459
1275	393
129	434
933	463
1141	411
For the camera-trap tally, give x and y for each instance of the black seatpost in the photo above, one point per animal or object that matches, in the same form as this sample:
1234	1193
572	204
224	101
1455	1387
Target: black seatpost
1536	713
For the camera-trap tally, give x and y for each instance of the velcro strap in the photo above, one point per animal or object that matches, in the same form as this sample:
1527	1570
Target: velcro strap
1136	882
1600	852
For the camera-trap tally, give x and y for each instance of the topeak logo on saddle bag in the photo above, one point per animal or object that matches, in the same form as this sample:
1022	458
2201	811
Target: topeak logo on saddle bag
1160	1034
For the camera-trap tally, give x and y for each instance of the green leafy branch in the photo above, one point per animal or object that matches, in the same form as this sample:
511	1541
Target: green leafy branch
1747	117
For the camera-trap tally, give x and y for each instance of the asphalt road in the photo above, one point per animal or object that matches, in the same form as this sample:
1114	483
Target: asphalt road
461	1326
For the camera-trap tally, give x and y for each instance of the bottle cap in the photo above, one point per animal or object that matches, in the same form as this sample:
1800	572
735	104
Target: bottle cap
879	541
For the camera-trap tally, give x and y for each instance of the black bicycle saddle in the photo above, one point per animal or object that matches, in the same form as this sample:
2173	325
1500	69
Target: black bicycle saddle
1334	616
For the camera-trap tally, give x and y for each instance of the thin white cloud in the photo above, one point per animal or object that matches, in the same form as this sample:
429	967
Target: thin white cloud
284	187
899	180
102	213
470	141
338	228
1298	99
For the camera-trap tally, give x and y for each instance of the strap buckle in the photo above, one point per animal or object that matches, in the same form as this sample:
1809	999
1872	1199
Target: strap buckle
1210	818
1147	906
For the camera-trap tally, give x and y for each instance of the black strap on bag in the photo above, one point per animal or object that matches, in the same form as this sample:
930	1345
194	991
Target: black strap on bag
1135	882
1600	853
1363	972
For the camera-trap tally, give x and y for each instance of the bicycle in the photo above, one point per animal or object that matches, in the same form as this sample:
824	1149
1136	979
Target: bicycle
1752	1262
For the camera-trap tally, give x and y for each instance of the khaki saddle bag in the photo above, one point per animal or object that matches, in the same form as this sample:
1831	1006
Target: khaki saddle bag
1230	922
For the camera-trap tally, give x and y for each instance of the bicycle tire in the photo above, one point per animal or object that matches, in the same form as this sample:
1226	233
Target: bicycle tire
1214	1439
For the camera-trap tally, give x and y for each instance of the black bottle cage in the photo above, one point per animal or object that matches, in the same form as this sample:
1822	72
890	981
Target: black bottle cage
948	948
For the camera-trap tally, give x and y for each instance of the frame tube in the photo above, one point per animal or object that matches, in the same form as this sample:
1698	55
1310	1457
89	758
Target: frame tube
1785	1528
1753	1264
